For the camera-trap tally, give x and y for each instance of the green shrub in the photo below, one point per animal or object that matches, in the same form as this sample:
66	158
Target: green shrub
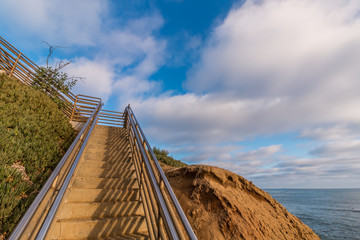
163	156
52	81
34	135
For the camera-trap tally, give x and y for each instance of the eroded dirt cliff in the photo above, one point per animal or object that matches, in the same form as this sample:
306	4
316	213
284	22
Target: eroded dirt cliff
222	205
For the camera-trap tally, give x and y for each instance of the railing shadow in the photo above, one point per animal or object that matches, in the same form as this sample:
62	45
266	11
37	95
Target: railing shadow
120	208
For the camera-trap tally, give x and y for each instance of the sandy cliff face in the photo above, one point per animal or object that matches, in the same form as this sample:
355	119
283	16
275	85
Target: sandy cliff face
222	205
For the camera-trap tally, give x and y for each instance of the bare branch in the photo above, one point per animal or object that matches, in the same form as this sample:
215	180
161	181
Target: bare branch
51	51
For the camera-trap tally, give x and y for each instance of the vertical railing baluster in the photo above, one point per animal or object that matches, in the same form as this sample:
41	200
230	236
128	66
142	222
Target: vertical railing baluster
72	114
15	64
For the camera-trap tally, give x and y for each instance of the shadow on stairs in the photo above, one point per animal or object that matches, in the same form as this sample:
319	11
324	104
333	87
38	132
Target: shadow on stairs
102	200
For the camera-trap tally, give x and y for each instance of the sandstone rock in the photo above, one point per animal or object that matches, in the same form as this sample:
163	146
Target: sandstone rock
222	205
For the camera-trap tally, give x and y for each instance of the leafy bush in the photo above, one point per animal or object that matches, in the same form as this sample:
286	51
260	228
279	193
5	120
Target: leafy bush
52	80
163	156
35	134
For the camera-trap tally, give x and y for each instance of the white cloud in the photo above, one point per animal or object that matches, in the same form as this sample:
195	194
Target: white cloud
146	25
57	21
131	87
280	47
122	65
269	167
98	77
260	153
207	118
304	52
121	53
338	149
260	161
332	133
135	44
271	67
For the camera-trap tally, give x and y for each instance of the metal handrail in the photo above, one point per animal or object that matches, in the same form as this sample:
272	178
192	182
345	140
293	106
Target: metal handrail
160	203
13	49
71	153
111	118
17	65
83	107
159	183
49	218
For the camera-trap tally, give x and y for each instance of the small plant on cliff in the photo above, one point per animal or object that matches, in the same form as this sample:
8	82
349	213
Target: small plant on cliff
52	80
163	156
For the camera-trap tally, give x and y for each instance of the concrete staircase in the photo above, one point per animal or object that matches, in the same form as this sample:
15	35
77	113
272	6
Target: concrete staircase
102	200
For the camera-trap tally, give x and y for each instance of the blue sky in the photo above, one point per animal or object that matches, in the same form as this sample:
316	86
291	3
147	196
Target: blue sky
267	89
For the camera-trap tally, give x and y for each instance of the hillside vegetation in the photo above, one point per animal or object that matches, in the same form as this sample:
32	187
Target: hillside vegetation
34	135
163	157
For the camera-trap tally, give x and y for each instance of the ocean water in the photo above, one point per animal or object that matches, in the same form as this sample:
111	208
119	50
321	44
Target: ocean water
333	214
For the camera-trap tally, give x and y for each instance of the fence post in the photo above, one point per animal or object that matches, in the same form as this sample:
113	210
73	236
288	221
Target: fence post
13	68
73	111
126	115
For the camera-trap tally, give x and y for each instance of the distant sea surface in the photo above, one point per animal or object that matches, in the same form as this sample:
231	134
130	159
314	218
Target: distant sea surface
331	213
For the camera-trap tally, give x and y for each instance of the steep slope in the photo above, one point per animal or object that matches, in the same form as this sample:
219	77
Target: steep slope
34	135
222	205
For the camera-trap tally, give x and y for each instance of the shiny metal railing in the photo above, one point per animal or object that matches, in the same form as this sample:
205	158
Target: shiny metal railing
111	118
17	65
164	215
36	220
83	107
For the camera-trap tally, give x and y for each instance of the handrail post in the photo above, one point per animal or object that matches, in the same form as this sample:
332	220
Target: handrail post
72	114
166	217
126	115
76	148
15	64
59	197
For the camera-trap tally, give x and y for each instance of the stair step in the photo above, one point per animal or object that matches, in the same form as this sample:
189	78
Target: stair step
108	160
111	148
106	157
132	236
102	195
103	200
108	135
94	228
107	150
106	154
106	173
108	145
109	130
100	210
99	141
100	128
117	164
105	183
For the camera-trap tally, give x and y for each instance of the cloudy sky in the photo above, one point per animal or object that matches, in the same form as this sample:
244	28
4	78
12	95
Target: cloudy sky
269	89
